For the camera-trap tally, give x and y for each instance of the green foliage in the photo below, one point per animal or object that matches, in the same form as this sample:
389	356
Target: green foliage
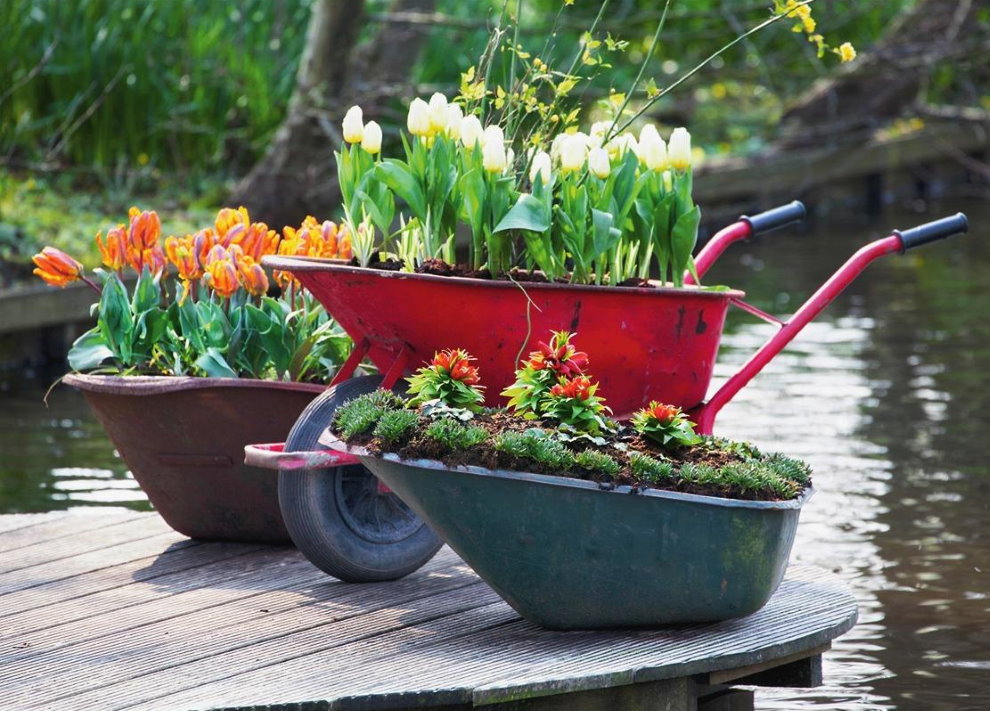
360	415
537	446
648	469
454	436
144	333
596	462
123	84
395	427
665	425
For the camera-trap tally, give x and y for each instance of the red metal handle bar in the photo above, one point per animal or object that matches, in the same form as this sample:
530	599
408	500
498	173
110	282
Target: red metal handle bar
745	227
704	415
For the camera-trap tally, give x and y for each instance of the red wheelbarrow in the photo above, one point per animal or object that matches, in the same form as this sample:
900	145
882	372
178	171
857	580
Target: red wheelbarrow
647	343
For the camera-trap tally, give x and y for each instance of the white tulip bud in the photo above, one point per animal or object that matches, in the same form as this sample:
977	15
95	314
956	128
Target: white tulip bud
621	144
680	149
652	151
598	164
454	120
372	140
493	133
353	125
493	156
471	131
418	121
438	113
540	166
573	151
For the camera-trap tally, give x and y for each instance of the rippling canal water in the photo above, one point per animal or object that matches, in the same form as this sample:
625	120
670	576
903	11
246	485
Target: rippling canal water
886	396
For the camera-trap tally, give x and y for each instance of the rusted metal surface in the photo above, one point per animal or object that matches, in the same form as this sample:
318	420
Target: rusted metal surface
124	613
184	438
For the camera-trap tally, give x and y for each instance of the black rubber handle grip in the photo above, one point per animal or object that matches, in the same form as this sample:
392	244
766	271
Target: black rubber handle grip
777	217
933	231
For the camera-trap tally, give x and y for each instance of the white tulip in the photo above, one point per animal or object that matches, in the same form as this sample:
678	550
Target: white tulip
493	133
372	140
454	120
471	131
418	121
353	125
438	113
680	149
652	151
598	164
573	151
540	166
622	144
493	156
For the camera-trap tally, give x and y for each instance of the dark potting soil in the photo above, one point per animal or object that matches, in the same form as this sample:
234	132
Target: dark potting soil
438	267
420	446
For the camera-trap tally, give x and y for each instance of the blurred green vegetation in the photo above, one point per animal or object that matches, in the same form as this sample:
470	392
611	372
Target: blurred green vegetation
105	102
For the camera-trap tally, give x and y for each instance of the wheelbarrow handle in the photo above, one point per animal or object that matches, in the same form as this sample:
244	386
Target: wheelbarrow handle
744	228
933	231
776	218
704	414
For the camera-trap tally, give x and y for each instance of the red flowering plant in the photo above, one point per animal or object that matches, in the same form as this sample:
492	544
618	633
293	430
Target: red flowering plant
200	304
551	384
665	425
448	386
542	370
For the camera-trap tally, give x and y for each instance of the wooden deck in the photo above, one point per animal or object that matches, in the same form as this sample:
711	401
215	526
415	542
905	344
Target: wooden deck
116	611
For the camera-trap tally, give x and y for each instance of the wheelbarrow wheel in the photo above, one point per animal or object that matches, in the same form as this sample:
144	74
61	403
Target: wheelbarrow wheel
341	519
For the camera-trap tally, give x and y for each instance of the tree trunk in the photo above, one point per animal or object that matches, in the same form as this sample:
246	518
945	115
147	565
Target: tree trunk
297	175
885	81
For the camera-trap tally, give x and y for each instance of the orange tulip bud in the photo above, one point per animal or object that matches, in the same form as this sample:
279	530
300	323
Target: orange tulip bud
203	242
113	251
252	276
229	218
145	228
56	267
182	253
221	275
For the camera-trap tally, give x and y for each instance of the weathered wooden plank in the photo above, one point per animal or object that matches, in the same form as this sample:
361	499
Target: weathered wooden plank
12	522
145	563
126	606
118	669
63	547
48	528
66	567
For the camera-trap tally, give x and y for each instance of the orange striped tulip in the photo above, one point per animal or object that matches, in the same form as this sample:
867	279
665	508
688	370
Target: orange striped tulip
221	276
252	276
114	250
228	218
56	267
182	253
145	229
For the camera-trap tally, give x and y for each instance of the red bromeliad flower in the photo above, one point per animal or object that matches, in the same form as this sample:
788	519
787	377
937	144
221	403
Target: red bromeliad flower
662	413
578	388
559	355
457	363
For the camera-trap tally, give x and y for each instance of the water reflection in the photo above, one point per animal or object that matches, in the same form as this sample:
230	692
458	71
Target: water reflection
57	457
885	395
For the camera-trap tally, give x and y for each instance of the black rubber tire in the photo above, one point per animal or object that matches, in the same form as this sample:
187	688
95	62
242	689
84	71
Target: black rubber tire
325	509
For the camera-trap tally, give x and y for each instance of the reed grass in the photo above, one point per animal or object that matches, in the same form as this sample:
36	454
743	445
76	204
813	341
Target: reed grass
173	84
